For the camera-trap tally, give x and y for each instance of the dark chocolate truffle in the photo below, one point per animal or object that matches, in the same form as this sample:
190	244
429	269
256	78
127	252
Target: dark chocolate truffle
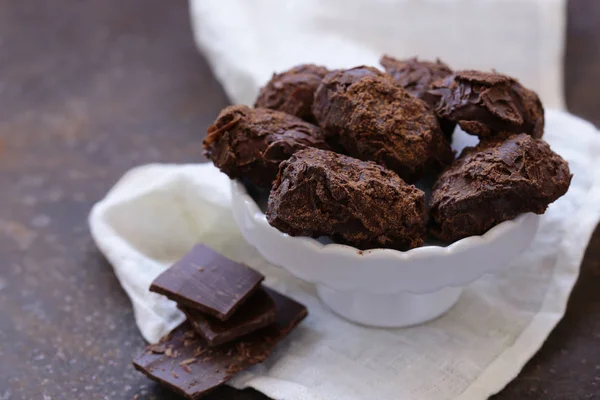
494	182
417	77
321	193
488	104
373	119
250	143
292	91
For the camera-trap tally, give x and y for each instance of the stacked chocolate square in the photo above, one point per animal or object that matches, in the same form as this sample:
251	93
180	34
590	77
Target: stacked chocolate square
233	322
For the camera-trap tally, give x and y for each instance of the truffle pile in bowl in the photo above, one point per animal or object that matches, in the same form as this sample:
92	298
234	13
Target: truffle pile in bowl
363	157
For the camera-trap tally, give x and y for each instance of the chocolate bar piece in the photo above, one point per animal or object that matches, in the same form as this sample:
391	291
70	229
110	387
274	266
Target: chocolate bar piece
183	362
208	281
257	312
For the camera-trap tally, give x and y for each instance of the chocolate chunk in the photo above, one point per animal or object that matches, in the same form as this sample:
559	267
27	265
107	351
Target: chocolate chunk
250	143
321	193
292	91
374	119
494	182
207	281
191	368
487	104
417	77
256	312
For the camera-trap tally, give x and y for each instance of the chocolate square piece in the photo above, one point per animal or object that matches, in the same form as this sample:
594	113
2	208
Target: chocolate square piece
183	362
257	312
207	281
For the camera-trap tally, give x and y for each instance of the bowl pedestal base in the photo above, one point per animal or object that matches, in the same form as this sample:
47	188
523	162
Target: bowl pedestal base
389	310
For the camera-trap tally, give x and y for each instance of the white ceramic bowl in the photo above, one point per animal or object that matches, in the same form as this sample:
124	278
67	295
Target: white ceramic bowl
384	287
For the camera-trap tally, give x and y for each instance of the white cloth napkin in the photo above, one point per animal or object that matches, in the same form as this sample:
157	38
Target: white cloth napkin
156	213
245	41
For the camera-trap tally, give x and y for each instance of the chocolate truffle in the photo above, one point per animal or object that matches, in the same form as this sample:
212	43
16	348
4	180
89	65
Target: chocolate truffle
488	104
321	193
494	182
417	77
250	143
292	91
374	119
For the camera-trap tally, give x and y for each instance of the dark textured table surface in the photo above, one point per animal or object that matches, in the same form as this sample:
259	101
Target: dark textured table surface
89	89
